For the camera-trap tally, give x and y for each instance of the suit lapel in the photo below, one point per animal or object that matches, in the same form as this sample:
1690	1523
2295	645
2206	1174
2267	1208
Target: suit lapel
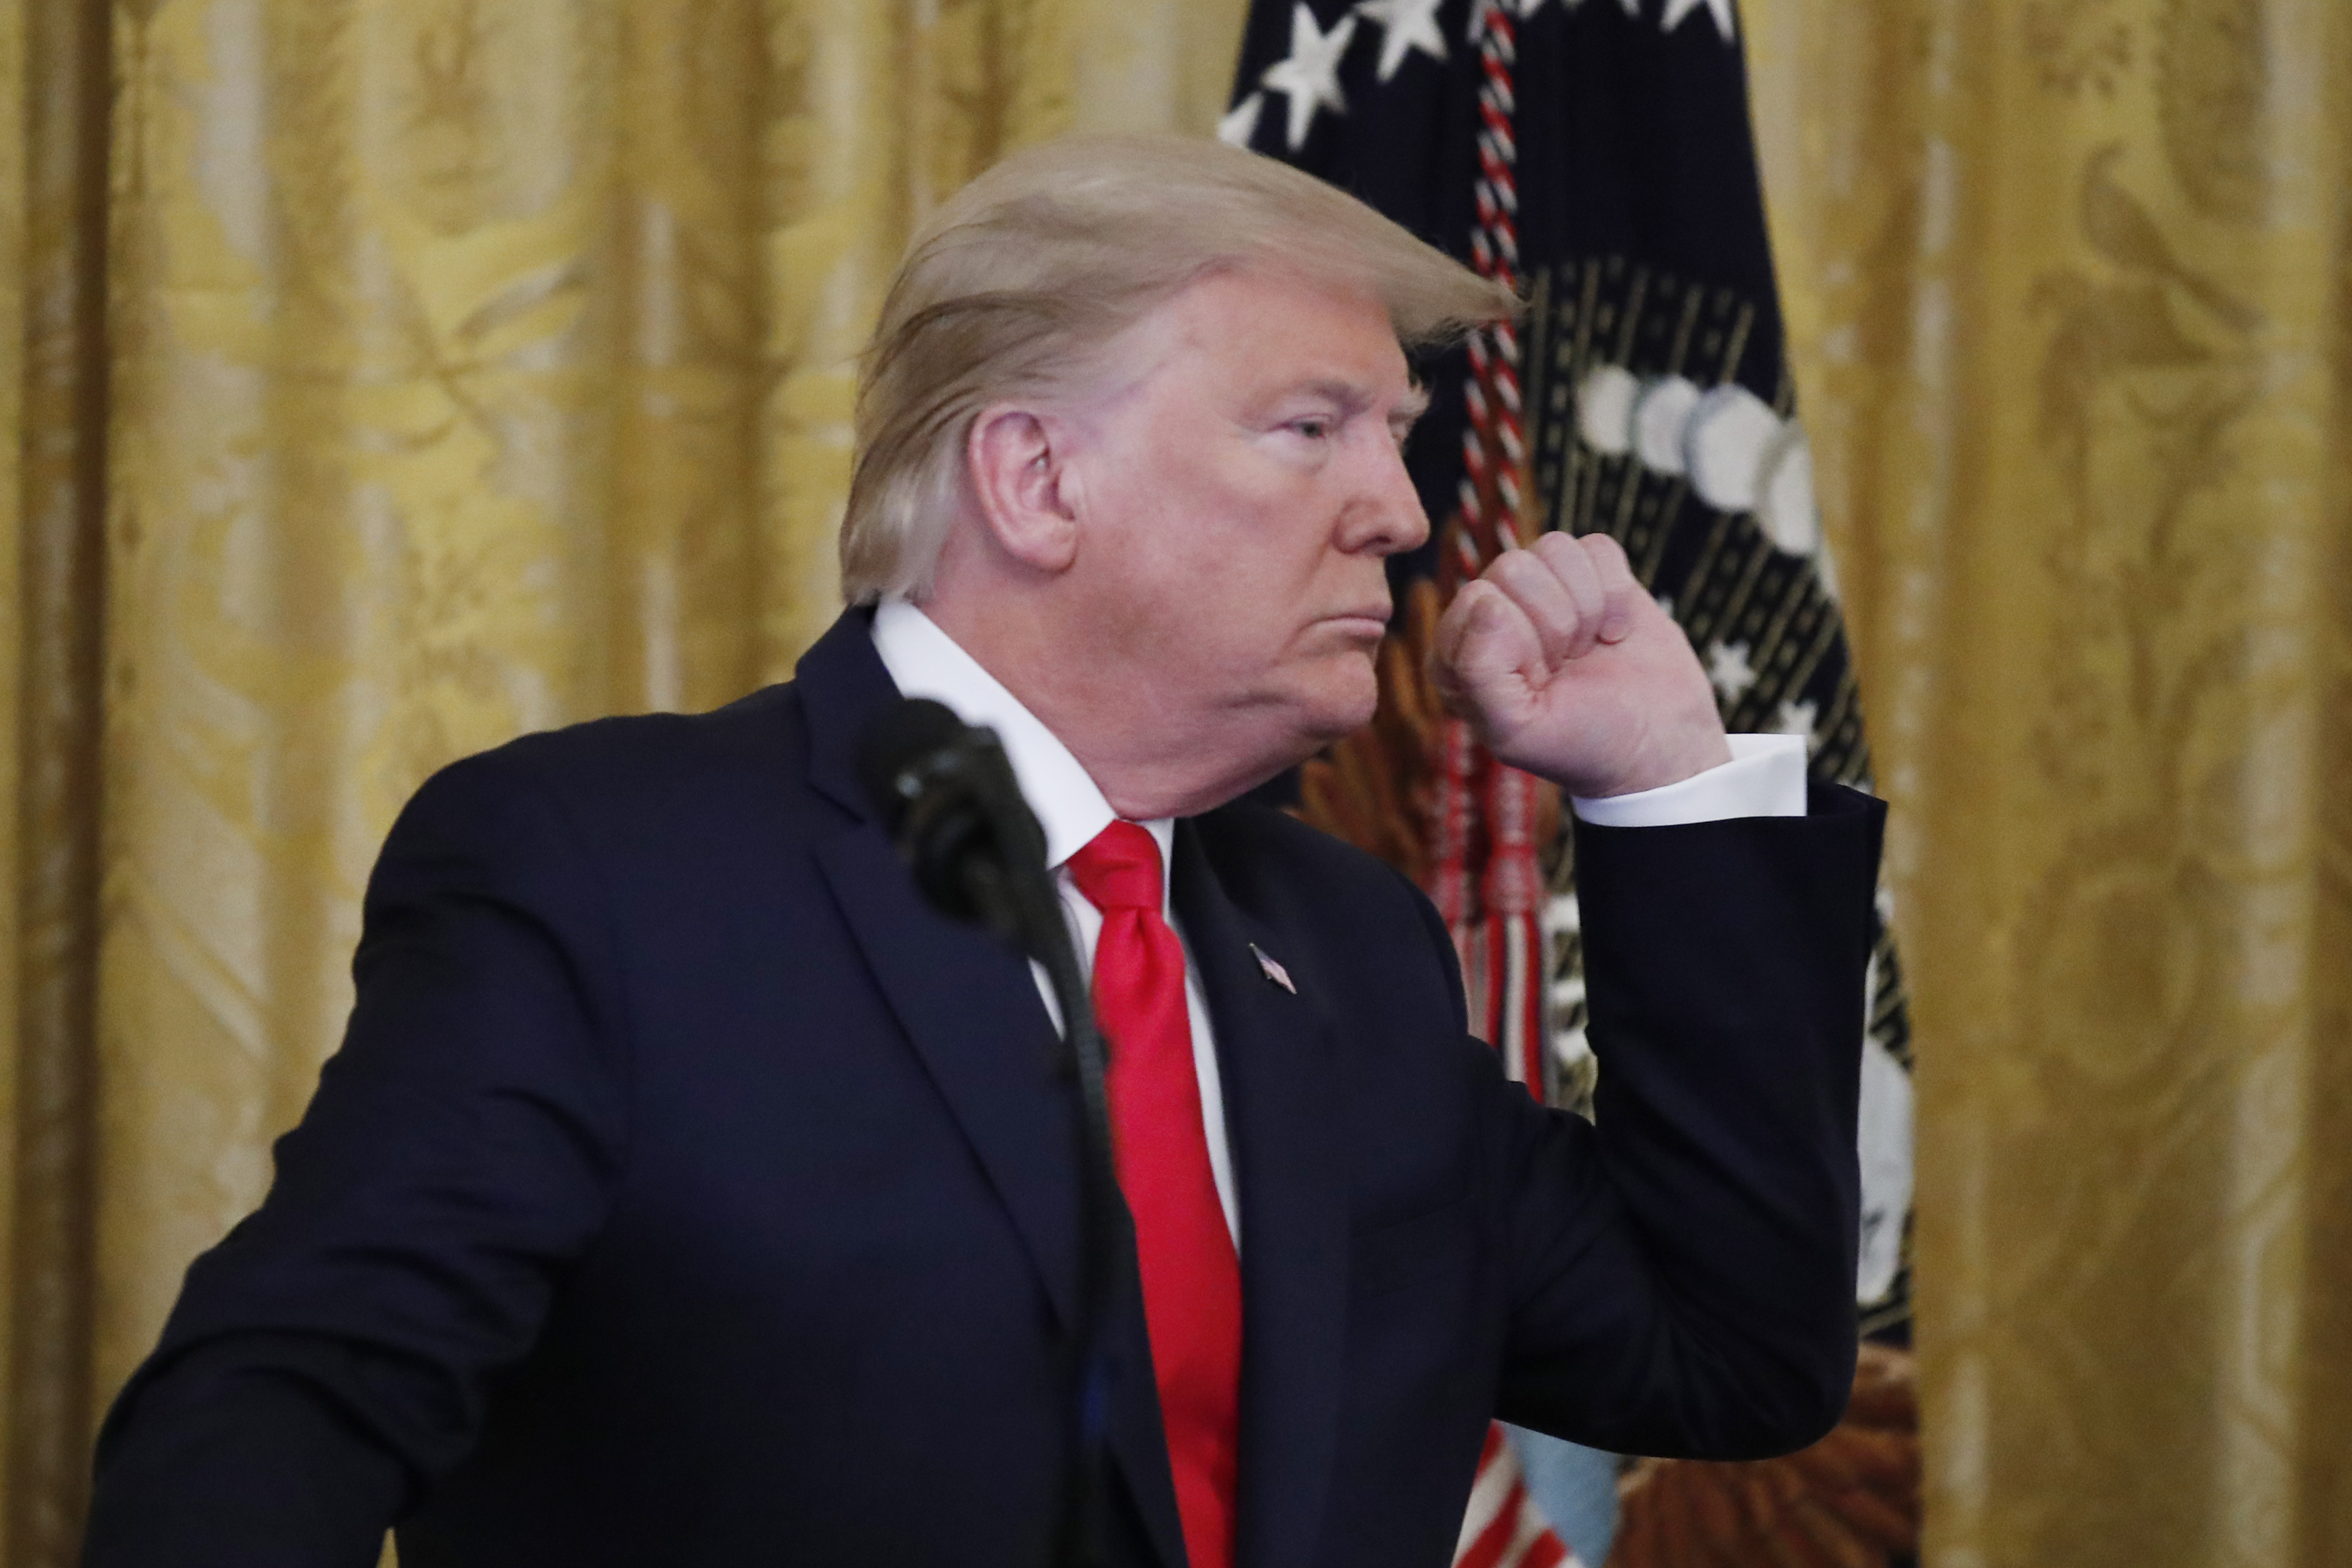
1274	1055
969	1004
964	998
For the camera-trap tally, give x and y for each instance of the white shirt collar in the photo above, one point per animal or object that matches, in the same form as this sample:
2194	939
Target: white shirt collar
924	662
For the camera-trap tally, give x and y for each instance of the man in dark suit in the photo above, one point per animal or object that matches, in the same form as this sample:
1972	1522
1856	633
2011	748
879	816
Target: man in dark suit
687	1192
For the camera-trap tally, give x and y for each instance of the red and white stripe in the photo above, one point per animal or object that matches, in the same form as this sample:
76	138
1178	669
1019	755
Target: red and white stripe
1489	884
1485	877
1502	1529
1494	443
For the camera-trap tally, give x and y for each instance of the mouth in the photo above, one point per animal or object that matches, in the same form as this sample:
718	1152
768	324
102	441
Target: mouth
1369	622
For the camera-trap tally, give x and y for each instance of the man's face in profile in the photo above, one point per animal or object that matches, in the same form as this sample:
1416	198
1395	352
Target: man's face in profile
1244	483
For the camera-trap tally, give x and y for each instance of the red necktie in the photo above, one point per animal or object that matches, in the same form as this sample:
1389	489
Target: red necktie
1191	1279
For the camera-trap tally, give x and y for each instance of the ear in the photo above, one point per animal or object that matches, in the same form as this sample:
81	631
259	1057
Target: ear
1018	461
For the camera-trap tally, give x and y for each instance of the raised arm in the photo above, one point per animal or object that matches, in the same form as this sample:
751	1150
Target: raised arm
1682	1271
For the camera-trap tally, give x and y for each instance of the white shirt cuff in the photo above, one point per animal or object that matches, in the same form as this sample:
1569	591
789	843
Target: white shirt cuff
1766	777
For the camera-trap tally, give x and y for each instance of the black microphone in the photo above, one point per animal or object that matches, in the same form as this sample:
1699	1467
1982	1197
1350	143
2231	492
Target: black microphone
946	792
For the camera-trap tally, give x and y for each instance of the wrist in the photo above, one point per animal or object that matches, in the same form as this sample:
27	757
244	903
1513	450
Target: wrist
1686	756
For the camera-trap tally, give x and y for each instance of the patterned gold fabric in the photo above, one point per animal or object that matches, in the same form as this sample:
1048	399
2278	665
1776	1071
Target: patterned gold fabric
2067	281
52	539
386	380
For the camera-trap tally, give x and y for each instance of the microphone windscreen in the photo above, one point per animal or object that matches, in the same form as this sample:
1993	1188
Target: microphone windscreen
889	758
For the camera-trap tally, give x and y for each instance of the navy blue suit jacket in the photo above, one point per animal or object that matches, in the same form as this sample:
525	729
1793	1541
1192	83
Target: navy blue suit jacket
685	1192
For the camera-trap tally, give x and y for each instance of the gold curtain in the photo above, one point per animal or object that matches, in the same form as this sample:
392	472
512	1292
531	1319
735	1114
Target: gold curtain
389	377
2067	282
53	387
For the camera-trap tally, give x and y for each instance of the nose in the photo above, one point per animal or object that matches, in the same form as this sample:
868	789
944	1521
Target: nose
1383	514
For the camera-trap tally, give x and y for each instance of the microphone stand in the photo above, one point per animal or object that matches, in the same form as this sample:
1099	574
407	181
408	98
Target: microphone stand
958	818
1103	1218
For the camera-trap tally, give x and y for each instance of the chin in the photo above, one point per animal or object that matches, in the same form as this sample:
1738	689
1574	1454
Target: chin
1342	706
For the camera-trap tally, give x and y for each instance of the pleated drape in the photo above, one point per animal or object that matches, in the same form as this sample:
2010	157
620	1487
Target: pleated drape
386	376
2068	288
390	377
53	391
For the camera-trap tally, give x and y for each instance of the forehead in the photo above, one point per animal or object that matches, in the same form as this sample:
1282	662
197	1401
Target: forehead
1247	332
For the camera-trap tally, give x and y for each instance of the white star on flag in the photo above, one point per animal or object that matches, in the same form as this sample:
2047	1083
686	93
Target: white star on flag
1409	25
1309	78
1678	9
1240	122
1797	719
1726	667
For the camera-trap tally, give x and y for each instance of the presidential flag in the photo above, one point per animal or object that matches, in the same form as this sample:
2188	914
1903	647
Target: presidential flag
1596	155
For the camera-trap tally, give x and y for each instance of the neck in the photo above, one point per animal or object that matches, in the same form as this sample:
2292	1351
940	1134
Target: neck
1148	756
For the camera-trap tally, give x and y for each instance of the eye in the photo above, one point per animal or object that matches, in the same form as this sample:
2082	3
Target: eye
1315	427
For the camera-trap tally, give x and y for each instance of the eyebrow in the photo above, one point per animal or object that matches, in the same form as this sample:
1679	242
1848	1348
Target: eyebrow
1409	408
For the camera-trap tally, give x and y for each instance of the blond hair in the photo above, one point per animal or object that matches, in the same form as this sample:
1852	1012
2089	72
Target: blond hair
1013	285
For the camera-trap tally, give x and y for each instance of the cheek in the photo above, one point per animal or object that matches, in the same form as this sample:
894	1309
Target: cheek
1216	567
1170	604
1196	558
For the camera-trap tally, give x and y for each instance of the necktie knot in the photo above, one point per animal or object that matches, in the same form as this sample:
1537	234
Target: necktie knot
1119	868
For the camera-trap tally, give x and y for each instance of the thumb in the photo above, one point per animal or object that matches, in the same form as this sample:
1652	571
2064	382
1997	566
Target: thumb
1488	647
1494	649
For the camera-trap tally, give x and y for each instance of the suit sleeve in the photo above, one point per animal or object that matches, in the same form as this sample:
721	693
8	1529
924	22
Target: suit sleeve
329	1357
1681	1271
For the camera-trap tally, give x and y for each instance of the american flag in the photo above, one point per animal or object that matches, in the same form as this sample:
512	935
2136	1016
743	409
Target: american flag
1597	155
1502	1529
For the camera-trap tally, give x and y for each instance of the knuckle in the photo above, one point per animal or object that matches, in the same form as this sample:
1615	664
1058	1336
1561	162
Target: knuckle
1557	549
1607	556
1512	567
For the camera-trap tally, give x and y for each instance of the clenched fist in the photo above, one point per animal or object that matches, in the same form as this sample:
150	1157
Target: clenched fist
1567	669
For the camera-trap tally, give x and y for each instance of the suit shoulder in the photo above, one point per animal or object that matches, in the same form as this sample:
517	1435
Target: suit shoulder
633	761
631	787
1264	856
750	728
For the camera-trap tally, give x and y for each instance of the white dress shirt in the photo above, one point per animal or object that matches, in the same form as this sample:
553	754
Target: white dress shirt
1766	777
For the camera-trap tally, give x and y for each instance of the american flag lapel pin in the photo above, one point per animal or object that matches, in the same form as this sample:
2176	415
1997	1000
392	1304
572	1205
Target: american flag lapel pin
1274	971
